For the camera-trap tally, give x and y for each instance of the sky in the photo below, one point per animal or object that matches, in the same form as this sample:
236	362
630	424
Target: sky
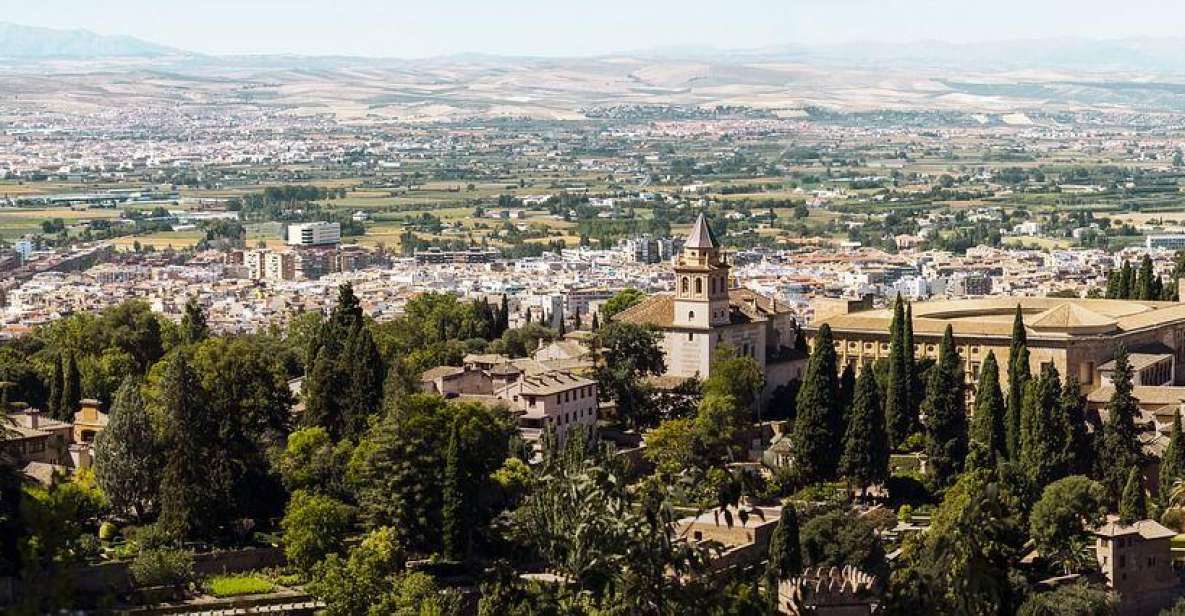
398	28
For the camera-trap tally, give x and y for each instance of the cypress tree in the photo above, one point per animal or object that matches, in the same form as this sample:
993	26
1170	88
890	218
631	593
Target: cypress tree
816	442
1113	282
364	371
1078	455
1120	449
504	316
899	417
71	389
1018	375
127	464
577	324
785	550
194	490
1144	280
55	390
946	417
847	392
596	322
453	523
1172	462
1127	281
1133	507
865	459
320	408
1157	289
1041	444
194	328
987	424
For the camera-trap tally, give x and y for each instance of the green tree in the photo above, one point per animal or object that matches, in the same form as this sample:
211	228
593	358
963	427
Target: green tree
194	490
1127	285
1078	455
1119	450
865	459
56	380
314	527
816	435
1132	506
900	414
1061	519
194	328
127	460
312	462
737	376
719	422
627	354
946	417
1145	280
673	446
626	298
71	389
987	424
1172	461
1042	438
1070	600
456	499
837	539
350	586
1018	375
785	551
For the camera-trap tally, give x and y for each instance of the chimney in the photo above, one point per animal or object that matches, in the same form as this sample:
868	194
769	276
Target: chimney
34	416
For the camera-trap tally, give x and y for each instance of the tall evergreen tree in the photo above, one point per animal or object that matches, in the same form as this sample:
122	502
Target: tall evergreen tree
596	322
785	550
1113	283
194	328
987	423
1172	461
71	389
1127	281
815	437
945	416
56	379
194	489
847	391
1078	456
454	524
865	460
1144	280
362	366
1133	506
1120	449
127	460
900	418
504	316
1018	375
1041	436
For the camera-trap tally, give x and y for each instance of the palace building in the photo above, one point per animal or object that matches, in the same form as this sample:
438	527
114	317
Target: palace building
706	314
1079	337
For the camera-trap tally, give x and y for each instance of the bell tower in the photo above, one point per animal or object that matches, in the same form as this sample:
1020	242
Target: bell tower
701	281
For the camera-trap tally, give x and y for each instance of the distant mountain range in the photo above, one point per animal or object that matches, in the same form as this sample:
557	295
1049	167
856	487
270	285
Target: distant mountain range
17	41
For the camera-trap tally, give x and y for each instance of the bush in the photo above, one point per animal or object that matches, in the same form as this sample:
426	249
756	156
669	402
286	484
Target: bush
162	567
314	527
236	585
108	531
1173	518
149	537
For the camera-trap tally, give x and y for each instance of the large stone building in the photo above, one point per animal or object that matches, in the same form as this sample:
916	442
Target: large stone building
706	314
1079	337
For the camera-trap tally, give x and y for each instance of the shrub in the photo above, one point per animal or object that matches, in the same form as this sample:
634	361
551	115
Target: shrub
162	567
108	531
314	526
236	585
1173	518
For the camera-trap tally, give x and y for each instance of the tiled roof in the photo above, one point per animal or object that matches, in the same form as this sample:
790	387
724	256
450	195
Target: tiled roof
659	309
1148	529
701	235
552	383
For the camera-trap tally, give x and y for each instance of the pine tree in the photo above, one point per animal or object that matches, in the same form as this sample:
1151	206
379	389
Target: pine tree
127	461
71	389
55	390
1120	449
987	424
1041	436
454	525
816	441
945	416
785	550
194	490
899	416
1144	280
1133	507
1018	375
1172	462
865	460
194	328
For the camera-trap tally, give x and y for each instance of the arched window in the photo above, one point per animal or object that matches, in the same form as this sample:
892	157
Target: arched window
690	315
686	285
699	286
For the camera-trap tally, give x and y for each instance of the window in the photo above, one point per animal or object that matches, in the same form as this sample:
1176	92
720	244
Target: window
686	285
690	315
699	286
690	337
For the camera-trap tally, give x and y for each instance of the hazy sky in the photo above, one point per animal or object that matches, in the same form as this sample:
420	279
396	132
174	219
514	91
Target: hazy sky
559	27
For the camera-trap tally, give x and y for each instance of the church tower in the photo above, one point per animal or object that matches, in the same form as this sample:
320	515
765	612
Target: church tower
701	281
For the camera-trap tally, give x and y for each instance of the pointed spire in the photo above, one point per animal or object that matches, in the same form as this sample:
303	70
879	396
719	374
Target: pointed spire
701	235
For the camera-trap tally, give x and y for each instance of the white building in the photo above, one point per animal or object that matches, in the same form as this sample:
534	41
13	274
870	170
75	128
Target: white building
314	234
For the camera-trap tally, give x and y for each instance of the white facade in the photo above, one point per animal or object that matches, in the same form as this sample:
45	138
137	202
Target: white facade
314	234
